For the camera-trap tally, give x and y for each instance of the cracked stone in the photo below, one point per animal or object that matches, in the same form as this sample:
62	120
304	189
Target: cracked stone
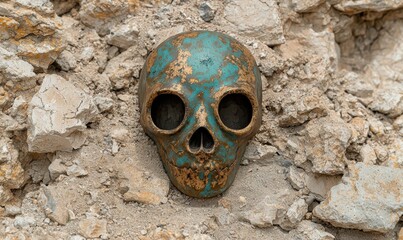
57	116
324	144
369	198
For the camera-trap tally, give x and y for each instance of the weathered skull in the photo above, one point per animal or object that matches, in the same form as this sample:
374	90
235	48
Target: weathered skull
200	101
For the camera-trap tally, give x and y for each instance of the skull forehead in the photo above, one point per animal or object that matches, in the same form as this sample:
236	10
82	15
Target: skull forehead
201	59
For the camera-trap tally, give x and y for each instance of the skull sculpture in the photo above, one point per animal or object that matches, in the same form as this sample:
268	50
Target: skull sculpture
200	101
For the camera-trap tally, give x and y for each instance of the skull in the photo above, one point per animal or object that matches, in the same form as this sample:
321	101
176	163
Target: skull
200	101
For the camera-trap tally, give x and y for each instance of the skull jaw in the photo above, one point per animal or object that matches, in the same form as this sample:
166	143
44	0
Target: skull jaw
201	183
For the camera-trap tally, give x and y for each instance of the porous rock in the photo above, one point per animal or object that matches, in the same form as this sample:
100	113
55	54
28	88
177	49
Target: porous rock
323	143
58	115
369	198
254	18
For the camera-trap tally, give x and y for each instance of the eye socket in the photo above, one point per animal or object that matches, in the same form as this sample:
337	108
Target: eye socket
235	111
167	111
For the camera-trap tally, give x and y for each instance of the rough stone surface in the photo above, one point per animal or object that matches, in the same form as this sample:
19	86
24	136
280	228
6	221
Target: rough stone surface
332	84
93	228
307	230
11	67
66	61
257	151
324	144
58	114
63	6
270	211
54	205
142	187
102	14
207	12
352	7
305	6
251	18
369	198
124	36
295	214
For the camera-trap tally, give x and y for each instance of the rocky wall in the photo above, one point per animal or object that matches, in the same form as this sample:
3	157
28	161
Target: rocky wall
327	162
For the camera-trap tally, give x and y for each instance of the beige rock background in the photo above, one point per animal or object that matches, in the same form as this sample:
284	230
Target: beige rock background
327	162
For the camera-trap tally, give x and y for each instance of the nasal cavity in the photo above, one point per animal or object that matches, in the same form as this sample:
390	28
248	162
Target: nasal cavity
201	139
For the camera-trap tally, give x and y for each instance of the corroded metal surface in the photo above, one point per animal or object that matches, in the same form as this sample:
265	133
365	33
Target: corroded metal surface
200	67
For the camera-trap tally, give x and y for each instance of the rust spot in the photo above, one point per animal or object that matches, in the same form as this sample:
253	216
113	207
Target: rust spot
151	60
179	39
179	67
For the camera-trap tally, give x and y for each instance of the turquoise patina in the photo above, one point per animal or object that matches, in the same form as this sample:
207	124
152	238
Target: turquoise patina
201	68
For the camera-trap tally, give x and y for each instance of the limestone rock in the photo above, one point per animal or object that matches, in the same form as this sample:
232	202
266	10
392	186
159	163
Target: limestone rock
11	171
368	155
386	64
308	230
258	151
92	227
63	6
57	168
103	14
295	214
369	198
270	211
122	68
319	185
58	115
388	100
324	143
104	104
13	68
142	187
45	7
30	30
254	18
358	86
296	176
357	6
24	221
66	61
396	153
40	52
54	205
360	130
125	35
5	195
302	106
21	21
306	5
